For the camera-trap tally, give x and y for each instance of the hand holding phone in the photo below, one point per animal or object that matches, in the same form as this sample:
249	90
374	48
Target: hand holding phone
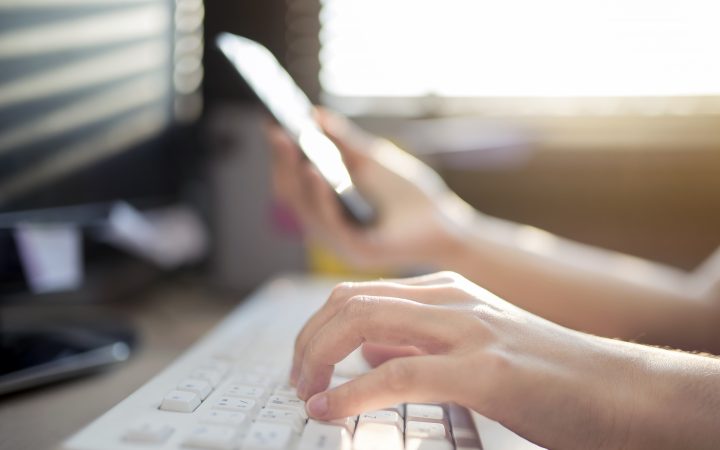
294	112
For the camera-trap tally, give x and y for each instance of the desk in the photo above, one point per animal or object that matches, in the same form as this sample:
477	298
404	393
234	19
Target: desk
168	318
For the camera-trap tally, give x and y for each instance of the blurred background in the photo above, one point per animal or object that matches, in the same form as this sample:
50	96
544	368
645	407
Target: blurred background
598	121
133	156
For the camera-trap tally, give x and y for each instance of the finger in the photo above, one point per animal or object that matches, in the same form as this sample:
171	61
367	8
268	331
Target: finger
292	183
412	379
430	294
349	240
283	148
376	354
329	213
380	320
351	140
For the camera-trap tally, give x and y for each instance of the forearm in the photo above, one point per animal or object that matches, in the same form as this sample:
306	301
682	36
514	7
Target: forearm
583	287
605	394
672	399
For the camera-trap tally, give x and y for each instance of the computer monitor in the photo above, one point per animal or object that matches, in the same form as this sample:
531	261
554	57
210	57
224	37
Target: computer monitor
93	98
97	100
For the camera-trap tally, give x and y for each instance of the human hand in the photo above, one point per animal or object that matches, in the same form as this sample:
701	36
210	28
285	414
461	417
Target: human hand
417	212
462	344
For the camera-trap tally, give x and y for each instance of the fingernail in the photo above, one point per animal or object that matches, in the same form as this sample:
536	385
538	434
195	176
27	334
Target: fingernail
294	376
318	405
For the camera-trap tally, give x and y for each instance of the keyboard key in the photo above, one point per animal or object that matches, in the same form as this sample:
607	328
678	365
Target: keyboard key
468	443
268	436
323	436
285	389
377	436
347	422
211	437
148	432
424	412
399	408
463	433
236	404
383	417
428	430
212	376
244	390
287	402
180	401
428	444
230	418
201	387
463	425
286	416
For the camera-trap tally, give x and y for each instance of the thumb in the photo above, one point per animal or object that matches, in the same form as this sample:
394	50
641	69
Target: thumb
410	379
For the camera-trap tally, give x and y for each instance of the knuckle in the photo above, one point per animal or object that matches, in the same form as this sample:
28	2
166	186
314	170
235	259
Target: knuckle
445	273
341	292
398	375
450	276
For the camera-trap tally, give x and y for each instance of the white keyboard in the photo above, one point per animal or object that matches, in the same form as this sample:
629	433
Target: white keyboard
229	392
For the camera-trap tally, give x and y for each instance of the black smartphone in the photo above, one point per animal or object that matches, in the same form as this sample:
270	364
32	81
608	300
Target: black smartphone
294	112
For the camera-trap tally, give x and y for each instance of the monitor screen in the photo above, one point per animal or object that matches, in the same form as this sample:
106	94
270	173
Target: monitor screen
95	96
90	91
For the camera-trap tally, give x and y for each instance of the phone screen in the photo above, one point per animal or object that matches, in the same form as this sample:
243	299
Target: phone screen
294	111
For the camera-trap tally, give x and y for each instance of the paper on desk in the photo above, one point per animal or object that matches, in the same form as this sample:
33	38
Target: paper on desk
51	256
168	237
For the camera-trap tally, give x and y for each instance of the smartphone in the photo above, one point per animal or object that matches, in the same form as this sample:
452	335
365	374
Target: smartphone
294	112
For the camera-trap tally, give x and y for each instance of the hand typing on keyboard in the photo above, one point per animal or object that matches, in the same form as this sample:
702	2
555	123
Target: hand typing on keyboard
442	345
456	342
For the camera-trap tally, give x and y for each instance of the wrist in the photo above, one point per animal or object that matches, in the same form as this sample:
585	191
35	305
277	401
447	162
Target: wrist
584	387
462	246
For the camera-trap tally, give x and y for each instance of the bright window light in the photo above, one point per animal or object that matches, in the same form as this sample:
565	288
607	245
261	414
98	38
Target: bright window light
520	48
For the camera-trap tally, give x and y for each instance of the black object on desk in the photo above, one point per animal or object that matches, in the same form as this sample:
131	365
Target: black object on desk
29	358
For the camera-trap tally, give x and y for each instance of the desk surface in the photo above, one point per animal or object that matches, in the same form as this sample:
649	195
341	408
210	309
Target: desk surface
168	319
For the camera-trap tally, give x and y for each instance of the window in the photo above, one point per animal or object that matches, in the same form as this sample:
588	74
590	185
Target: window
652	57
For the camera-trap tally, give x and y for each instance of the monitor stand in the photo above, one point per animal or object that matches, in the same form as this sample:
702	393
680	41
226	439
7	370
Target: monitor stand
35	355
